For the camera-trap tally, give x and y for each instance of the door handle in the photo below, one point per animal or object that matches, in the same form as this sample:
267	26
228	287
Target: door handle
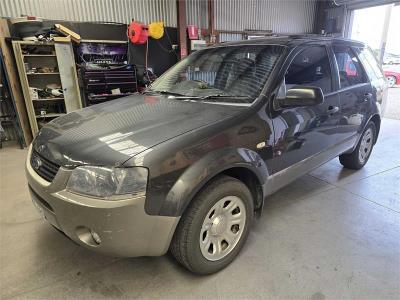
367	96
332	110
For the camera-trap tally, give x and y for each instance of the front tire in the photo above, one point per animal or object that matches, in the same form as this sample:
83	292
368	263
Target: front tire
215	226
359	157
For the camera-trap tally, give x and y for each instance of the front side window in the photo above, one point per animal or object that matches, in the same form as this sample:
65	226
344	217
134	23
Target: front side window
237	71
350	70
310	67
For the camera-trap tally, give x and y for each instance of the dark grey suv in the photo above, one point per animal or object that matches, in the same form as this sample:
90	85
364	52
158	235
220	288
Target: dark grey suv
189	163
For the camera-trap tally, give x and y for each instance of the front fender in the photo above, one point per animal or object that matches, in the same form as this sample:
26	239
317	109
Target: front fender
199	173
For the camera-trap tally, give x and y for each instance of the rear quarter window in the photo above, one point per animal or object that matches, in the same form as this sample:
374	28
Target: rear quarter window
370	63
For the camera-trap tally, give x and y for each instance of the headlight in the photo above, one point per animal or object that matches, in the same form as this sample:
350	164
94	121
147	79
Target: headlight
108	183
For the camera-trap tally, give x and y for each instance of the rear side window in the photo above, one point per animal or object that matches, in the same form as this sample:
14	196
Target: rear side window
350	70
310	67
370	64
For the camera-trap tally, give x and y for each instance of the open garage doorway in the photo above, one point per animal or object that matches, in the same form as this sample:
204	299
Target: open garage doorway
379	27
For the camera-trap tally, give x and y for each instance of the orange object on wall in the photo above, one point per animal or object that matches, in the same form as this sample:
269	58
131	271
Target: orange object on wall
138	33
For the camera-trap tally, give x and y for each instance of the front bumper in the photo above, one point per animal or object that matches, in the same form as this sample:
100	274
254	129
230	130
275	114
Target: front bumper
123	226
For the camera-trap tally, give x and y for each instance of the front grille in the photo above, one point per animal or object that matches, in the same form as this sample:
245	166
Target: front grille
45	168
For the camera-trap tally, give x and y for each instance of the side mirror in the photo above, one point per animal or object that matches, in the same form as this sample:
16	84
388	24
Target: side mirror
302	96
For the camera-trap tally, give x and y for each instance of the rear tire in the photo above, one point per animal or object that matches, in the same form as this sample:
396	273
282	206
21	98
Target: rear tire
359	157
214	227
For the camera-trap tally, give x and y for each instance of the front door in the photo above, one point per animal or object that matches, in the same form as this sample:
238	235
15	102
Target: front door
303	132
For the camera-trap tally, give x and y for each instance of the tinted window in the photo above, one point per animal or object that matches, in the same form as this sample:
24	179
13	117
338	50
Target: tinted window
350	70
370	64
311	68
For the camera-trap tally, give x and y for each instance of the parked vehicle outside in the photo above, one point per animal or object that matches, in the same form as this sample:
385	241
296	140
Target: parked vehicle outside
391	59
392	74
187	165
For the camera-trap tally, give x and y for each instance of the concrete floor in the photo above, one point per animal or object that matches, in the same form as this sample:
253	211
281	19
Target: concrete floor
393	107
334	233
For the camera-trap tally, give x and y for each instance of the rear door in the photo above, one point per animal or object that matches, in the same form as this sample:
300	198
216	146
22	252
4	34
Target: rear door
375	75
355	93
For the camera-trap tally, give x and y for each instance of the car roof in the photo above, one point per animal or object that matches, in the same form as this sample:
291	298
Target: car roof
294	41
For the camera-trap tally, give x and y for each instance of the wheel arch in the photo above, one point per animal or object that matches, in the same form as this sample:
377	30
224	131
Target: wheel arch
242	164
376	119
250	179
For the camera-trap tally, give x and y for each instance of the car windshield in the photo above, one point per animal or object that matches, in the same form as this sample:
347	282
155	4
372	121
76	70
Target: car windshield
225	74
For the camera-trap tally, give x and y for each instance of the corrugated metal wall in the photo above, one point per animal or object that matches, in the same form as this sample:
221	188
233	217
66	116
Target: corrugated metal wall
280	16
197	13
227	37
122	11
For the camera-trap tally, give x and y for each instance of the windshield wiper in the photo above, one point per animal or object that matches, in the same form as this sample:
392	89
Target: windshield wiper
180	96
150	91
216	97
211	97
172	95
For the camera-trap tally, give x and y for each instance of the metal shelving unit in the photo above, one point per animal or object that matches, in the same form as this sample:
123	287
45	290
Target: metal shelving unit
49	73
57	59
8	116
38	55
